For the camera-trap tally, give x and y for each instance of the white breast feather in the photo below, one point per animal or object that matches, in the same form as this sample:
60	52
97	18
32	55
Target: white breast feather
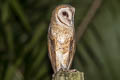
61	38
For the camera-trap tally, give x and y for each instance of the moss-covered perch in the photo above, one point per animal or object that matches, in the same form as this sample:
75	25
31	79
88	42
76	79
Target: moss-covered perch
68	75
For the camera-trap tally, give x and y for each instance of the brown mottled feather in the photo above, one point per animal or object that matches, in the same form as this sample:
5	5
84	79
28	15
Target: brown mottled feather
51	49
72	50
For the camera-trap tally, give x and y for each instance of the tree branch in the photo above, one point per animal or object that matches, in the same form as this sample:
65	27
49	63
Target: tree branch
91	13
68	75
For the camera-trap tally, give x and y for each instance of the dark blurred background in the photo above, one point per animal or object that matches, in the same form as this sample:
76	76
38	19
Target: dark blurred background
23	40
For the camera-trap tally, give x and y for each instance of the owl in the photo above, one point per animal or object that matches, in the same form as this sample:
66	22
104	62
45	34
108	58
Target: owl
61	37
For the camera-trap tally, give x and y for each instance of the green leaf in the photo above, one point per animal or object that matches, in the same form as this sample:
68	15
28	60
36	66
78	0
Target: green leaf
31	44
5	12
21	14
10	73
10	40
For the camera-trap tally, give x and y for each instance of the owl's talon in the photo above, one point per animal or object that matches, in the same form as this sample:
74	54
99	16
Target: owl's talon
53	75
73	70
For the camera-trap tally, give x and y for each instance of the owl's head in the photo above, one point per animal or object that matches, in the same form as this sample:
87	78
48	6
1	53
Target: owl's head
64	15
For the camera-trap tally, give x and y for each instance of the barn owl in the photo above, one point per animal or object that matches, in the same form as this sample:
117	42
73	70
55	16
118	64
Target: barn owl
61	37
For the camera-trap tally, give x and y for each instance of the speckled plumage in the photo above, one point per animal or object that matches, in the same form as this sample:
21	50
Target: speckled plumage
61	39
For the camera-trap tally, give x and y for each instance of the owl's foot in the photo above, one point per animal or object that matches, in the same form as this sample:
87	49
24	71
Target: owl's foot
61	69
73	70
53	75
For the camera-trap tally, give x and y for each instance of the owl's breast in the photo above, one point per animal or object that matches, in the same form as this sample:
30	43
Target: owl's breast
62	35
62	39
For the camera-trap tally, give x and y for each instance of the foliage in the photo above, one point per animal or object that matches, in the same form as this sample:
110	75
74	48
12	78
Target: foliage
23	40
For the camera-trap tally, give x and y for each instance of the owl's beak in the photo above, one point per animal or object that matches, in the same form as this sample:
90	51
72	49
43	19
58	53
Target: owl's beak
70	22
73	9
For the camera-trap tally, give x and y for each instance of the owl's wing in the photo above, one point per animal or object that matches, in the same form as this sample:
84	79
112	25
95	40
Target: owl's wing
51	49
72	48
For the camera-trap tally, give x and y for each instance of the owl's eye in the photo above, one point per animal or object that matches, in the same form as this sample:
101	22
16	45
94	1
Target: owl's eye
65	14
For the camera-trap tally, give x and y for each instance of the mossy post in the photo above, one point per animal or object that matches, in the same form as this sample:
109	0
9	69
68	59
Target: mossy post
68	75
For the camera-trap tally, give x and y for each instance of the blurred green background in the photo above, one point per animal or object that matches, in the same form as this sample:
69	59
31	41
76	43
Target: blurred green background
23	40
